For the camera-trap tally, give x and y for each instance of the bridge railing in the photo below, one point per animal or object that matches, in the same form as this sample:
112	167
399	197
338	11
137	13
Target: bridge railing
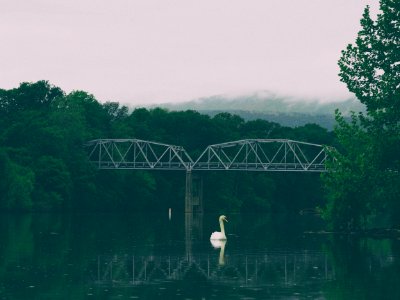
242	155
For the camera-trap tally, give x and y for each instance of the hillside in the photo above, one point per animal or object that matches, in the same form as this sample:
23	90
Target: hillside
268	106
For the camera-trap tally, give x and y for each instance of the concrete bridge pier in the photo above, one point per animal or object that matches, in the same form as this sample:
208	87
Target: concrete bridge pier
194	193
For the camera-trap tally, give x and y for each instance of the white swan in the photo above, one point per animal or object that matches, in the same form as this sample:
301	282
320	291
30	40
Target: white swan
220	235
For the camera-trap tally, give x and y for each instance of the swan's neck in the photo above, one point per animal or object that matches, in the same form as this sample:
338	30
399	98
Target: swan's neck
221	224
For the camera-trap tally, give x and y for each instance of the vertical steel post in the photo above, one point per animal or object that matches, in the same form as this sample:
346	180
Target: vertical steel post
100	144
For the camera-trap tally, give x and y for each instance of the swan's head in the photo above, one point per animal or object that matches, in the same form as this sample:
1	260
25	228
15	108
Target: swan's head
223	218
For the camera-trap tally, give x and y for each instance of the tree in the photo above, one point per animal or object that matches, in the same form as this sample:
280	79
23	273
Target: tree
28	95
371	67
16	185
52	184
365	178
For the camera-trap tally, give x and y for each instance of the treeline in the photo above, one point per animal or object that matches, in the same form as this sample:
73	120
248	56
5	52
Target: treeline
284	119
44	165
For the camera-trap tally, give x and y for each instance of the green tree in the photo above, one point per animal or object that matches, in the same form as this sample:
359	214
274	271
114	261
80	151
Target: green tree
28	95
17	185
53	183
371	67
365	178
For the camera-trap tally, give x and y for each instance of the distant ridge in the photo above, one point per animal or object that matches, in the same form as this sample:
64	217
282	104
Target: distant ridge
287	111
284	119
266	102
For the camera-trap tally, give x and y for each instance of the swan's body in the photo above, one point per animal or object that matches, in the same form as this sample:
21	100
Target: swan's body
220	235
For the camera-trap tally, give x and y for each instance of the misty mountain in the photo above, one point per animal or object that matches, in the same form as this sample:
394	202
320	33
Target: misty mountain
286	111
270	103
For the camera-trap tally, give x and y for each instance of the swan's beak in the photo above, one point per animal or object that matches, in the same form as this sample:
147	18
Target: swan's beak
226	220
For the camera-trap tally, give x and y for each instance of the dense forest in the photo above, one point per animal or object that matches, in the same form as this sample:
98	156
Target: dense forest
44	165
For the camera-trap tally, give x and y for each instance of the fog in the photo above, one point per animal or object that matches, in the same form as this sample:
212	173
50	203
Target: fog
144	52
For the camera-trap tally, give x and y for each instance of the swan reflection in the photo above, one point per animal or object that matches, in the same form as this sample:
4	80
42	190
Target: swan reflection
220	244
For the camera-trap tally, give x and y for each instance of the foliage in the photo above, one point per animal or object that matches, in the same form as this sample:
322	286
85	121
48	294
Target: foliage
365	179
371	67
17	184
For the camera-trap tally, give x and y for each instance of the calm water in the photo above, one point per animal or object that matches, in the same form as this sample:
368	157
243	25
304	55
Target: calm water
138	256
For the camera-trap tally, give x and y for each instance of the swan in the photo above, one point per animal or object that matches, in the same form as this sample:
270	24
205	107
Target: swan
220	235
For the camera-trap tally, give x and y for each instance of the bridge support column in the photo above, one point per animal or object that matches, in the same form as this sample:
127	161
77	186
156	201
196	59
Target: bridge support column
194	193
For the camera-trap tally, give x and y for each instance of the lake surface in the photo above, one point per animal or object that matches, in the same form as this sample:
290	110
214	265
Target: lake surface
150	256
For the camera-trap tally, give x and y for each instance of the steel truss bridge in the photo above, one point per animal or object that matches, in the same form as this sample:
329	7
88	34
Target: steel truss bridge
242	155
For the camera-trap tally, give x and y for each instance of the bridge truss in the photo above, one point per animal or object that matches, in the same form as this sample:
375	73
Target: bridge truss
242	155
138	154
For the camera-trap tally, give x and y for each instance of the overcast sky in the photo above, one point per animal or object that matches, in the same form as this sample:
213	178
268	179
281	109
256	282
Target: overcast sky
146	51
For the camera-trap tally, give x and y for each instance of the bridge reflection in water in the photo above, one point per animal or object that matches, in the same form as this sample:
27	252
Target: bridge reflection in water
241	269
268	268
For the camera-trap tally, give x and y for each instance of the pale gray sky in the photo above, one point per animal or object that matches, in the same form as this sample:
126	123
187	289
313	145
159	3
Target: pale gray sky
147	51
